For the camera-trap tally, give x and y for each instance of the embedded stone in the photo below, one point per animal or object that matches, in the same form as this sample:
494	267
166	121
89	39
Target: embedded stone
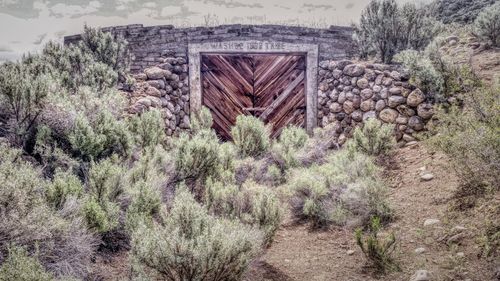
415	98
366	94
363	83
405	110
395	75
348	107
367	105
342	97
151	91
425	110
416	123
335	107
156	73
158	84
369	114
388	115
401	120
336	74
380	105
357	116
354	70
395	91
140	77
376	88
334	95
394	101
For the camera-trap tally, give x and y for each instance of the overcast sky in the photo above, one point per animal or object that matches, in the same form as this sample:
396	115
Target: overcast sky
26	25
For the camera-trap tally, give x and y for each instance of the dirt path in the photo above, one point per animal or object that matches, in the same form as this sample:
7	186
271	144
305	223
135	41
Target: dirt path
301	255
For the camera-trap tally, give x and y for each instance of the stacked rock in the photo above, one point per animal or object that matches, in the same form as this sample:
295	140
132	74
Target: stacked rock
349	93
166	88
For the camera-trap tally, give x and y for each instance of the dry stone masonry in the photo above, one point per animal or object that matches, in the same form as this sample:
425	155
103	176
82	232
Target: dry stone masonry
350	93
344	94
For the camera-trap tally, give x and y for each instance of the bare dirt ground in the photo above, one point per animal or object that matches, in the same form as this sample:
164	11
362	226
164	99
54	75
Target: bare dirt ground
300	254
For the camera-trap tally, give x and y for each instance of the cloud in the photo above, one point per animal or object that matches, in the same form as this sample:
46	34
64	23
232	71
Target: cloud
39	39
62	10
349	6
233	4
312	7
4	48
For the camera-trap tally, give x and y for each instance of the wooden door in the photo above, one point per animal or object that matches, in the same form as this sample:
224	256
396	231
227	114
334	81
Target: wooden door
268	86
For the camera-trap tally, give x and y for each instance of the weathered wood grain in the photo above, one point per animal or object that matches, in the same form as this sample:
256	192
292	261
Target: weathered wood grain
268	86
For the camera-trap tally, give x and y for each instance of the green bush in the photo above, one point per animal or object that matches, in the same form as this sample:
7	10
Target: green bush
64	186
20	266
487	24
386	29
374	138
469	135
198	157
105	184
105	136
250	203
423	73
22	98
346	188
148	129
250	136
285	151
458	11
63	244
379	253
192	245
202	120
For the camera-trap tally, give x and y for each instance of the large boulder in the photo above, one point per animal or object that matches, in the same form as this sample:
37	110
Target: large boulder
415	98
354	70
425	110
416	123
388	115
155	72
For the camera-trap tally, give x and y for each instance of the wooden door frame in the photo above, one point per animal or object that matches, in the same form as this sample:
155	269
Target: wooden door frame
196	50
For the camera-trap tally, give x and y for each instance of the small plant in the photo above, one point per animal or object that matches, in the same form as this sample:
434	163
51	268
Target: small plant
285	151
148	128
487	24
190	244
63	186
202	120
20	266
379	253
251	203
374	138
250	136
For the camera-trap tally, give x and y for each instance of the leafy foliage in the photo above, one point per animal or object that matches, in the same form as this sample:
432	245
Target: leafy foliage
374	138
458	11
487	24
20	266
250	136
211	248
386	29
469	136
148	129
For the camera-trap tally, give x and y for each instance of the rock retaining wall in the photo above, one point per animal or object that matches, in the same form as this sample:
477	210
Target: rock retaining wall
349	93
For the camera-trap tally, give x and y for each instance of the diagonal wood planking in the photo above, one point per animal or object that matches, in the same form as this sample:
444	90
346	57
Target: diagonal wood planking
268	86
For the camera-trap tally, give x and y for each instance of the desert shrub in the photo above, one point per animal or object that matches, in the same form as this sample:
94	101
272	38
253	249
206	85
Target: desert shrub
317	147
314	200
101	138
250	136
198	157
104	186
459	11
20	266
211	248
202	120
379	253
61	240
148	129
423	73
346	189
374	138
51	155
386	29
22	98
250	203
145	202
285	151
469	136
487	24
64	186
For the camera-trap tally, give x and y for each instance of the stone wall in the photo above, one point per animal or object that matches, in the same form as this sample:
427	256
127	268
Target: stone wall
149	45
164	87
349	93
